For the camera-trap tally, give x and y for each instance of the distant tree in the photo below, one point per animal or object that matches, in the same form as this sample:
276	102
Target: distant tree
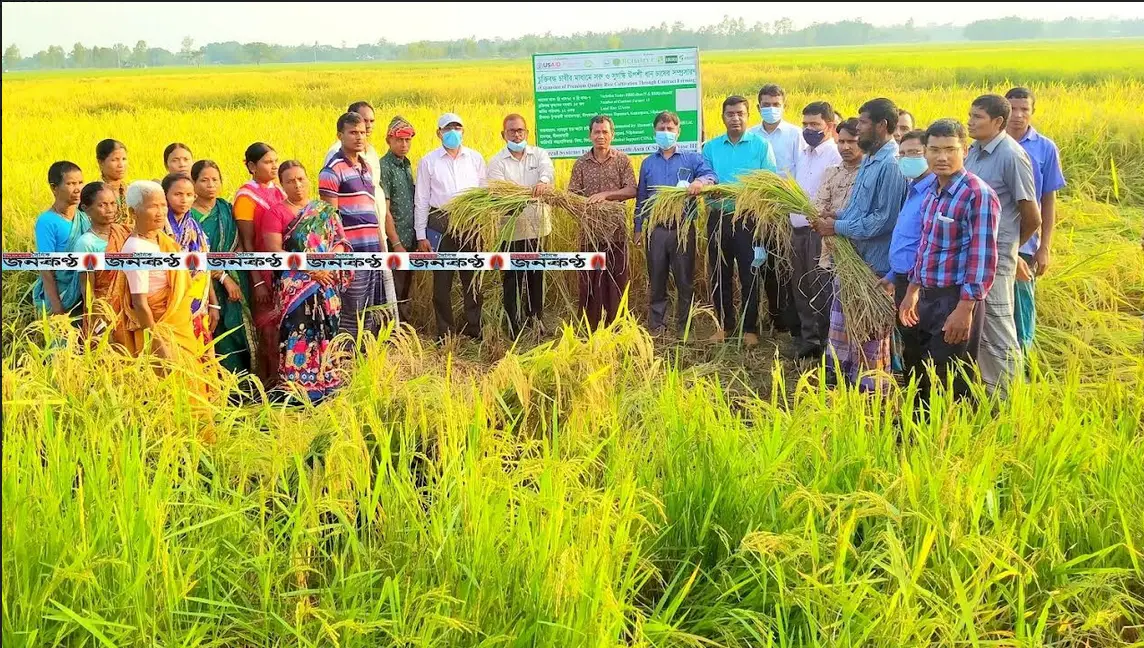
187	49
122	54
196	56
12	56
257	52
56	58
80	56
139	56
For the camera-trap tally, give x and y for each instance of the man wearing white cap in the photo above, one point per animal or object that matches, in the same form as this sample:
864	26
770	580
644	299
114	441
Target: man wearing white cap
442	174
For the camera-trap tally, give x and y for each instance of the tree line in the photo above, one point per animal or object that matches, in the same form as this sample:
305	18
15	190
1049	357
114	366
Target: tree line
730	33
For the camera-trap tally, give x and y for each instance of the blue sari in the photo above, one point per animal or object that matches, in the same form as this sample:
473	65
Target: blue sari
67	281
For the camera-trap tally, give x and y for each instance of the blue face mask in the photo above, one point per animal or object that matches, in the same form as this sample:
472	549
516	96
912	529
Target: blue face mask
912	167
517	147
665	139
451	139
771	114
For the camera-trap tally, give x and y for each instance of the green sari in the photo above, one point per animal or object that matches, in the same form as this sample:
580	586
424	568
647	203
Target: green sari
233	339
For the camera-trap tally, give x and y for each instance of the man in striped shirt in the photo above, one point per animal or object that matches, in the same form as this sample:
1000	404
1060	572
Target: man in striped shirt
347	183
956	262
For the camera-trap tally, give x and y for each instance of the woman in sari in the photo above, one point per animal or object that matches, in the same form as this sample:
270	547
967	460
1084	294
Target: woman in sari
100	204
180	195
310	302
232	335
156	301
252	204
177	158
112	158
57	292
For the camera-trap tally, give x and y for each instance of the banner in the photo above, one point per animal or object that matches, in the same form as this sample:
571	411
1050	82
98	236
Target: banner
630	86
281	261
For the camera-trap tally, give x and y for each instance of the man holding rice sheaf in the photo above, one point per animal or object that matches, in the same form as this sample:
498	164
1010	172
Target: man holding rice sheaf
868	222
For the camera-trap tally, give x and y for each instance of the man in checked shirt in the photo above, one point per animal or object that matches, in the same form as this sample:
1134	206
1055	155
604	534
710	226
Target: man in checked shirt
956	262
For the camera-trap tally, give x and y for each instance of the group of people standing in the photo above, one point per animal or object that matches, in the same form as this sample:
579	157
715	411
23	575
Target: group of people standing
943	237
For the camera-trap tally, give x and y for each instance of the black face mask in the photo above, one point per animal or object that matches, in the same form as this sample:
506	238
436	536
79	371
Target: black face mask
813	137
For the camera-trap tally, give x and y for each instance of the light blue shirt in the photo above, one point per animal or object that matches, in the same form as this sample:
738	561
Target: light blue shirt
908	230
784	142
1047	175
733	160
869	218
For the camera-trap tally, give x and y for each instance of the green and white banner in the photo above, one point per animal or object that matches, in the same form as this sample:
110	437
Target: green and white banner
630	86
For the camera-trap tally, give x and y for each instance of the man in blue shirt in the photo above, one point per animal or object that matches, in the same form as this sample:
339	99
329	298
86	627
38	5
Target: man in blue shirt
868	222
908	233
669	167
731	155
1048	179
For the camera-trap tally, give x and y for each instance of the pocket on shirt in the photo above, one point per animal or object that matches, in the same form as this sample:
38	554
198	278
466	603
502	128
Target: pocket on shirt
948	233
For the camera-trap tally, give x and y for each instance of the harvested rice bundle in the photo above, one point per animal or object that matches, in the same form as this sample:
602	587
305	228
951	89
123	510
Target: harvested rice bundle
486	217
869	310
668	205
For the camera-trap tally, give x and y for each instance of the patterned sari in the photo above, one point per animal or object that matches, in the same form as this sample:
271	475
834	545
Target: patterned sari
311	311
190	236
234	335
105	310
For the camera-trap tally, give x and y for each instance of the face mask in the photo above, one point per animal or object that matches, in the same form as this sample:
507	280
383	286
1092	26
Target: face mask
451	139
771	114
912	167
516	147
813	137
665	139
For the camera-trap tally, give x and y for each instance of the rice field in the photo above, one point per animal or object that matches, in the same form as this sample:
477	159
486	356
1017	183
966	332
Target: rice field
580	490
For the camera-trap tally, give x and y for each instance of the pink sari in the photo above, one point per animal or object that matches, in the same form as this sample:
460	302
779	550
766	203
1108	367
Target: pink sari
266	200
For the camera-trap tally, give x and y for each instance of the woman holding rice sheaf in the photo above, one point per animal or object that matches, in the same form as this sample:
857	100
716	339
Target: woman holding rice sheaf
235	328
310	302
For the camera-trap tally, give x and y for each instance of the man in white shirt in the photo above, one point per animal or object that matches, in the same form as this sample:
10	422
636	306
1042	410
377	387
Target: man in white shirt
527	166
443	173
817	152
784	138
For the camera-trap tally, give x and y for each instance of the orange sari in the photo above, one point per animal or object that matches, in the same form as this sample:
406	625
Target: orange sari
106	310
171	310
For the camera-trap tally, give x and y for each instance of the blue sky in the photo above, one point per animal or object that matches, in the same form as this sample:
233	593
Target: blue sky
35	26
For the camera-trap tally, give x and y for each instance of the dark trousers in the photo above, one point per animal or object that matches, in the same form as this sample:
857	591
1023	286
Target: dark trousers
402	284
908	335
665	256
526	284
780	297
729	247
810	290
934	306
443	286
601	290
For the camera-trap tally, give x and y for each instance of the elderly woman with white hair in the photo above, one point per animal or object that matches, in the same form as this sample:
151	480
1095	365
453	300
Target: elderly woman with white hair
157	302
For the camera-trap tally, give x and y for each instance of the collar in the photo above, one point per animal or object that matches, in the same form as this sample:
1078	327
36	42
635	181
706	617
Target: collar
923	185
955	183
507	154
443	153
748	135
886	151
341	155
588	156
992	144
396	160
826	145
1031	135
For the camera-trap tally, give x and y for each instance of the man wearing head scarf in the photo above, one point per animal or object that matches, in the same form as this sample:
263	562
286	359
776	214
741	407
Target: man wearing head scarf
396	180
